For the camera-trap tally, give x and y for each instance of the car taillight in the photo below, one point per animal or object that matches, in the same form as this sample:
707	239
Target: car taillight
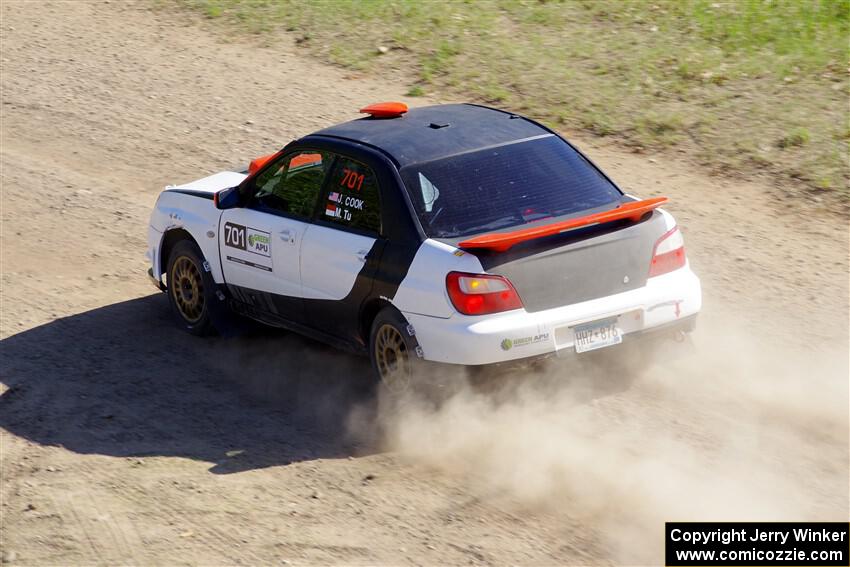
668	254
480	294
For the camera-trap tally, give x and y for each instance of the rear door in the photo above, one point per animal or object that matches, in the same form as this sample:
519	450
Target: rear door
261	243
342	249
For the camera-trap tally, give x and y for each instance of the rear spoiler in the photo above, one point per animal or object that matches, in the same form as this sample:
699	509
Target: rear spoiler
502	241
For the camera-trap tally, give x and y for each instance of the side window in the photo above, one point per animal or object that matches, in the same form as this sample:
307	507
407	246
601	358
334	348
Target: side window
292	184
352	197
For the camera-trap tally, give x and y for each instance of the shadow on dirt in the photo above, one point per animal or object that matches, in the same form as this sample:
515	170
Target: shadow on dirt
121	380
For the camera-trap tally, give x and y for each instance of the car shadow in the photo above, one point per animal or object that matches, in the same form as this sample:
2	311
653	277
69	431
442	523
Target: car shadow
121	380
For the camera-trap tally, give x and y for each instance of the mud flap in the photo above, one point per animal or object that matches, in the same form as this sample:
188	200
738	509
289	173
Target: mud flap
228	323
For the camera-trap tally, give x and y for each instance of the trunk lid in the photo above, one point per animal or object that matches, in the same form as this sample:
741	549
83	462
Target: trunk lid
583	264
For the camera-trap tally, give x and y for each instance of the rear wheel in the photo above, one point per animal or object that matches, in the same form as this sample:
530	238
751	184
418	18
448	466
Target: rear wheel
404	378
393	353
190	288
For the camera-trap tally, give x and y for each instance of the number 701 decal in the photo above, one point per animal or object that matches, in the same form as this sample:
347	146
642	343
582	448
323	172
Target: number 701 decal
247	239
234	235
352	179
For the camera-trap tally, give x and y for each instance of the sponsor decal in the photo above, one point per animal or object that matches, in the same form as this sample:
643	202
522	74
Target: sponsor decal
508	344
459	253
249	263
247	239
259	242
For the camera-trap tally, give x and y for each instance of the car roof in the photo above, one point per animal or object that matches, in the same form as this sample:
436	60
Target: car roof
433	132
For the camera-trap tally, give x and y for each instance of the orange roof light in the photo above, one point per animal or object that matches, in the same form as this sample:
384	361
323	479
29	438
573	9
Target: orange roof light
385	109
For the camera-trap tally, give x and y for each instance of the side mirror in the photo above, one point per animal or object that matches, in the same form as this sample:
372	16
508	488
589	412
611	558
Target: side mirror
227	198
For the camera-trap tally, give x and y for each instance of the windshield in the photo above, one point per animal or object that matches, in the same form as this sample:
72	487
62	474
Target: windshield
504	186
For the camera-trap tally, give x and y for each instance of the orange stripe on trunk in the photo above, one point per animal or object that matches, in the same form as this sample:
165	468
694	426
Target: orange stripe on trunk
502	241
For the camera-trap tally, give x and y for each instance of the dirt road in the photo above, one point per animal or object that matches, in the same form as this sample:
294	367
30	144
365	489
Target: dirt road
125	441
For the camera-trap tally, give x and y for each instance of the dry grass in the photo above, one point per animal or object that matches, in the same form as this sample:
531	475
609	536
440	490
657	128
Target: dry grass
746	87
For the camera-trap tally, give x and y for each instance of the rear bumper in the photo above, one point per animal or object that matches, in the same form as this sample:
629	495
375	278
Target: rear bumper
676	331
667	303
672	330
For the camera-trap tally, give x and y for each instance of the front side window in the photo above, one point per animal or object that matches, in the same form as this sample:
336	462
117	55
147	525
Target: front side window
292	184
504	186
351	198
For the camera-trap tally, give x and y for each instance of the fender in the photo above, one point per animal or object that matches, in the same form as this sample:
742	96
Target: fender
197	216
423	290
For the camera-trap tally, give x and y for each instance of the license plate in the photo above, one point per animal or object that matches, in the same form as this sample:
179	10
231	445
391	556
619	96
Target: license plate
597	334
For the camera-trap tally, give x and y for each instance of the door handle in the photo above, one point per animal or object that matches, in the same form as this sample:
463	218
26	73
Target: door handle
287	235
361	255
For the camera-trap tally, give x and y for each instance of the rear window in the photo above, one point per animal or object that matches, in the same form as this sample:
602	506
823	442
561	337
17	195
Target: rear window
504	186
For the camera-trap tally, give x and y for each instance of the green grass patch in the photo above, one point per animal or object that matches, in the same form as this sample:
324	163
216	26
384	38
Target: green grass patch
744	85
799	137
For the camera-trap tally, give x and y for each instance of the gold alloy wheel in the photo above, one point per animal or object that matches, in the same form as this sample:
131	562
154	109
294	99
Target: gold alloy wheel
187	289
391	355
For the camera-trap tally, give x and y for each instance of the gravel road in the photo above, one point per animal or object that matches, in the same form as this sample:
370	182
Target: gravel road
124	441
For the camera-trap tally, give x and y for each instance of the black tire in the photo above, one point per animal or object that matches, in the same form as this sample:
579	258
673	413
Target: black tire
393	351
191	289
419	383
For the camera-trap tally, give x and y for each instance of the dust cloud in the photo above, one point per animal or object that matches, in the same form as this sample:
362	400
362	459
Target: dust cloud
734	428
738	425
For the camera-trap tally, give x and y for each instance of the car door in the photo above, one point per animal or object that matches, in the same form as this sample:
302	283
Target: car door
261	242
342	249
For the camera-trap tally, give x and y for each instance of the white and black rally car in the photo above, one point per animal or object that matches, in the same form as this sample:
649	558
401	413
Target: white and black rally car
454	233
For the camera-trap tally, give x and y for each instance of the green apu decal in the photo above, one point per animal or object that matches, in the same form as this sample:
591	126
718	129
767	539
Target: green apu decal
260	238
507	344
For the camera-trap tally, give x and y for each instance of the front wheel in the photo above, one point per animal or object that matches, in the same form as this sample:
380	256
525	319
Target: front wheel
190	288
